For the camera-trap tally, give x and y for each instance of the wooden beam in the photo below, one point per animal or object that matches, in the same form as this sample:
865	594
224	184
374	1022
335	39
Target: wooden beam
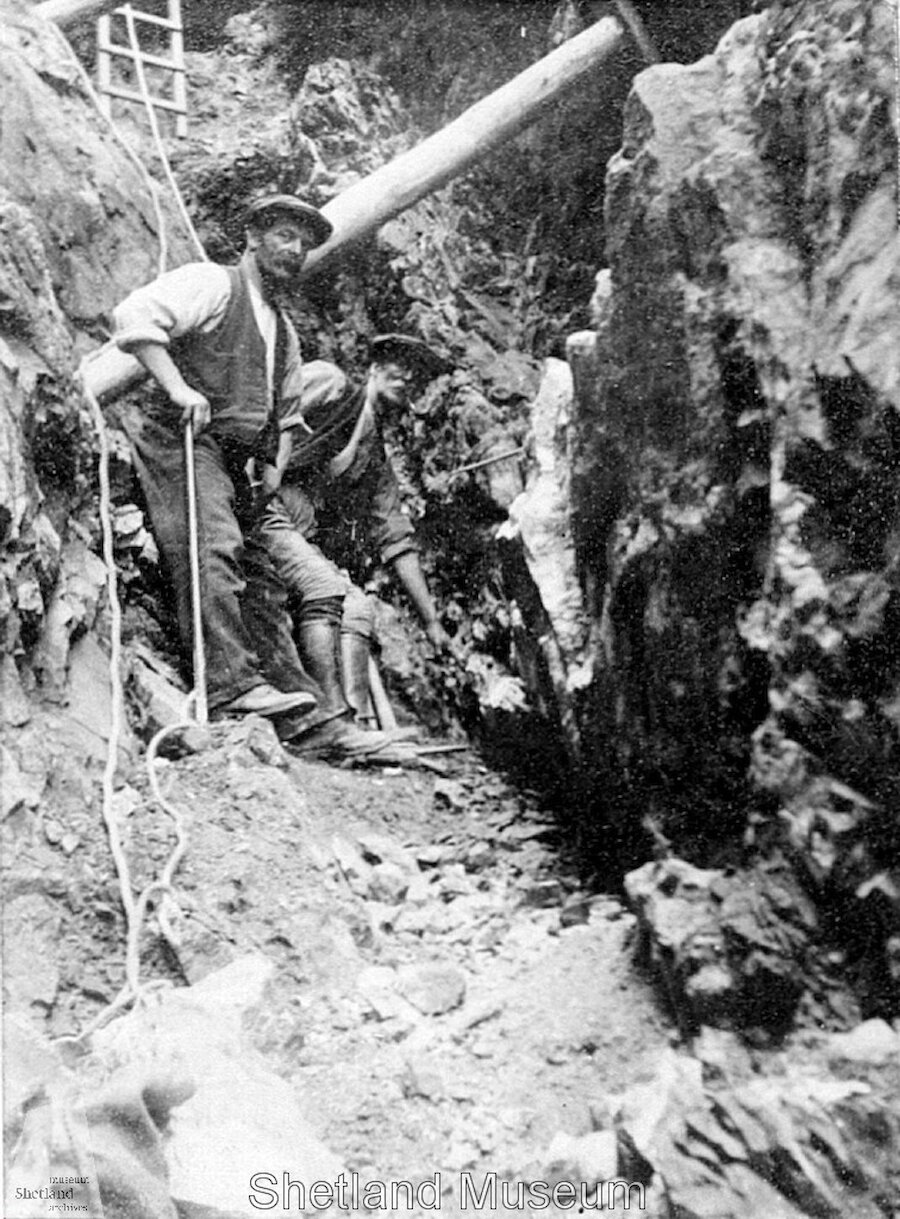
394	187
65	12
384	712
369	203
638	30
108	372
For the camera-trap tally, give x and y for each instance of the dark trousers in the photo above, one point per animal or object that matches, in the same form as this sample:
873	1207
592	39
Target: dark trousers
246	630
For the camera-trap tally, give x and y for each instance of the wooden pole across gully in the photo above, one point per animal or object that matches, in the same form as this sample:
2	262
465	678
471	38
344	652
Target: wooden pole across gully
369	203
400	183
67	12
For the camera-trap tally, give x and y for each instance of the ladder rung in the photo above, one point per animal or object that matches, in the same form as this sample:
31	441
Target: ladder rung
113	48
127	95
150	18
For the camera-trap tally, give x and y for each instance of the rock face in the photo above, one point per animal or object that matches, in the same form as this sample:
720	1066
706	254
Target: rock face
790	1147
540	522
734	498
705	586
79	229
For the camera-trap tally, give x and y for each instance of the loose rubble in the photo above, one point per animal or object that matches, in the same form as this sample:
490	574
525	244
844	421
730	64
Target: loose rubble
443	991
416	996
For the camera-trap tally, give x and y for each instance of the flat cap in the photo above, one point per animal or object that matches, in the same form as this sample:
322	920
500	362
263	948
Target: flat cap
290	205
406	350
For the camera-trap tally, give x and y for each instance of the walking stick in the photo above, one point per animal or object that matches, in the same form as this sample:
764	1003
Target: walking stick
201	712
384	712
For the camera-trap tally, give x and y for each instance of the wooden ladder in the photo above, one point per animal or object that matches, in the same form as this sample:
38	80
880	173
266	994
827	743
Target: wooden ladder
111	85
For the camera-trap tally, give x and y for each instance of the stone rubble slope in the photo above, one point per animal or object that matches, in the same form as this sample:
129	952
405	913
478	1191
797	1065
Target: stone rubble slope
418	986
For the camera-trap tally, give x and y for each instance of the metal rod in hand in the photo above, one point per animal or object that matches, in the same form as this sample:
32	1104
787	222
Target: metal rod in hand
487	461
201	712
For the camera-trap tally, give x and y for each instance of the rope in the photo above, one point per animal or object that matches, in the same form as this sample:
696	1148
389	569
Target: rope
135	907
154	127
115	659
159	891
88	86
152	186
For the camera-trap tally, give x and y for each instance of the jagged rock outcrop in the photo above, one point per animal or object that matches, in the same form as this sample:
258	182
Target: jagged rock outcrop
79	229
540	524
713	1138
704	599
734	490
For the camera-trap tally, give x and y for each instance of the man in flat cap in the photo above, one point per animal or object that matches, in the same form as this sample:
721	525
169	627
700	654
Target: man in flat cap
335	475
226	359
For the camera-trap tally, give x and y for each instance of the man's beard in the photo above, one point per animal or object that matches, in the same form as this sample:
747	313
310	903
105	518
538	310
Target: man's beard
277	281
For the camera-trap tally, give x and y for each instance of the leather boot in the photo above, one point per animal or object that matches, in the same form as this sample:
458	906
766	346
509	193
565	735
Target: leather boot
356	656
318	645
331	732
355	653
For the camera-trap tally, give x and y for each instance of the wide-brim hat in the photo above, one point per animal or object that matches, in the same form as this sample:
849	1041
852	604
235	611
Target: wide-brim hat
297	209
404	349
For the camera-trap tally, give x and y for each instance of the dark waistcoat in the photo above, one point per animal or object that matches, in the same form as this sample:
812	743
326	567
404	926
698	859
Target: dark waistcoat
228	365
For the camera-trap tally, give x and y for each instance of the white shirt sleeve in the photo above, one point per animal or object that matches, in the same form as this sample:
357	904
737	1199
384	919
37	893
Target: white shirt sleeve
192	297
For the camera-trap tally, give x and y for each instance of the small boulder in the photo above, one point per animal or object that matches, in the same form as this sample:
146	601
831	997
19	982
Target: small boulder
433	989
355	870
872	1041
387	883
590	1157
422	1078
378	987
18	788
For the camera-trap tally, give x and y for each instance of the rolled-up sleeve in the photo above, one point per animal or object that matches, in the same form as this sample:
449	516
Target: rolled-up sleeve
192	297
312	386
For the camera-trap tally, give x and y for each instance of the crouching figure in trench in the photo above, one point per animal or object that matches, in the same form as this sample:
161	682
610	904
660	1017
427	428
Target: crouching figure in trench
226	358
337	482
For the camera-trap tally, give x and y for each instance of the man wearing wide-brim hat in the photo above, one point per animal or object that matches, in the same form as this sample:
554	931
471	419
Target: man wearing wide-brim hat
336	475
225	359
